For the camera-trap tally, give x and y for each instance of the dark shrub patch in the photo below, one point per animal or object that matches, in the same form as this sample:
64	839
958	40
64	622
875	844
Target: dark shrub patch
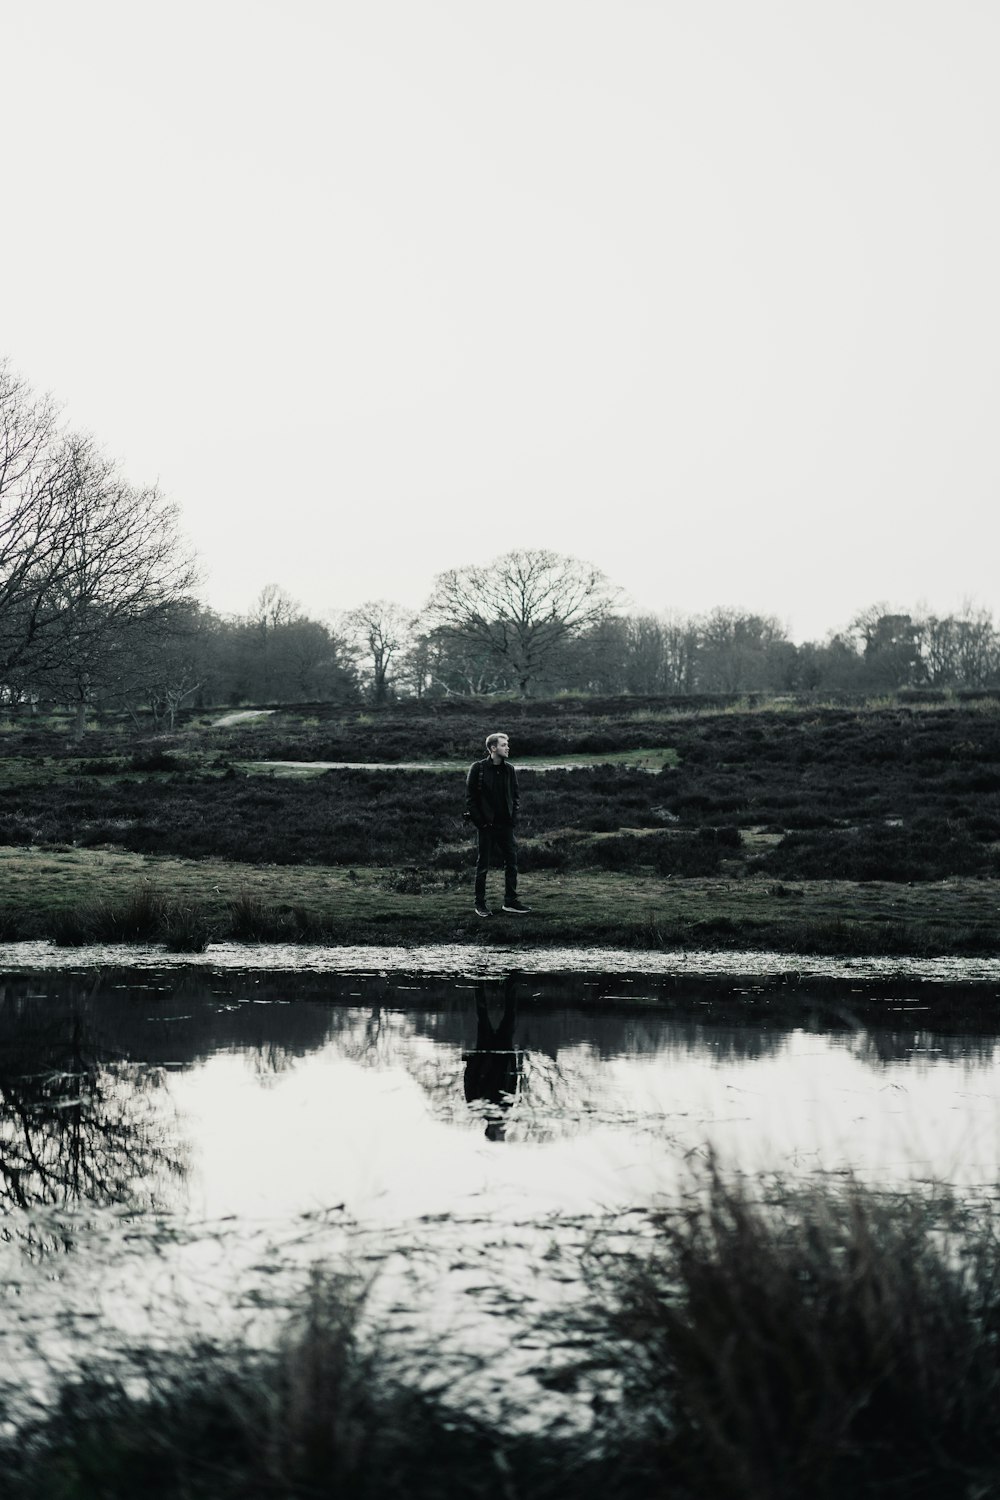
878	854
728	837
556	855
155	760
107	767
185	930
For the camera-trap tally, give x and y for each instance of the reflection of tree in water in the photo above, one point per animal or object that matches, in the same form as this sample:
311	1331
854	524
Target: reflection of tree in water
75	1130
878	1047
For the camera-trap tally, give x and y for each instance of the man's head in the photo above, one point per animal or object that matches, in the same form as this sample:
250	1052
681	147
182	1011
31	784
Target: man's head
498	745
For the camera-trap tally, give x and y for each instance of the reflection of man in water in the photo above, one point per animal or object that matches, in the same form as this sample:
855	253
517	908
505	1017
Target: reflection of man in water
493	1069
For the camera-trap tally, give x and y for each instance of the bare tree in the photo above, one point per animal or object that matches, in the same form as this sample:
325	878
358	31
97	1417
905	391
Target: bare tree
84	556
521	608
274	608
35	529
960	650
162	663
740	651
123	567
382	631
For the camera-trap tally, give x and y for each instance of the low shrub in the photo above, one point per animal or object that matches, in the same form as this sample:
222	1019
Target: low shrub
879	853
155	760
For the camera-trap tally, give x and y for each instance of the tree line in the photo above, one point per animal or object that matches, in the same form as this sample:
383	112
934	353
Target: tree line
98	608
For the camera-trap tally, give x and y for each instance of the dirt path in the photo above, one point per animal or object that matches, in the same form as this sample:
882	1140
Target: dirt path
241	716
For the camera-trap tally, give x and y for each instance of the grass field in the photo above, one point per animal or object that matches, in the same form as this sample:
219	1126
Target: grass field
44	889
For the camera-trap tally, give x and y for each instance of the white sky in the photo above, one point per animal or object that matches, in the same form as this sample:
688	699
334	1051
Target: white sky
703	291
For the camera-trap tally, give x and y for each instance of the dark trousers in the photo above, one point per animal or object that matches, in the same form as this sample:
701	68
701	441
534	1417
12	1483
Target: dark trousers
501	838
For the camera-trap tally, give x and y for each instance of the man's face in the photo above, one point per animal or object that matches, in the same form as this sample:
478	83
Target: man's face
502	747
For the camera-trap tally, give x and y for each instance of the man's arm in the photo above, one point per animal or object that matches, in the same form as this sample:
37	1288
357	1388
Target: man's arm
473	795
517	795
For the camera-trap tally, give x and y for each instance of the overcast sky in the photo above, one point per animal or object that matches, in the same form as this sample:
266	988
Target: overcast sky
705	292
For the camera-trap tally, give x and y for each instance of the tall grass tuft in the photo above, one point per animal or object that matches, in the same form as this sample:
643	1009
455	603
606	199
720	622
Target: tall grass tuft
828	1343
135	918
184	929
254	920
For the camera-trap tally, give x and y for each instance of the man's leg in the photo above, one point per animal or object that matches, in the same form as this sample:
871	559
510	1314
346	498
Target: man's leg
504	836
483	864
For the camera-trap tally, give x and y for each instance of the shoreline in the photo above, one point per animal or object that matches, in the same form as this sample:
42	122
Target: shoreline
449	960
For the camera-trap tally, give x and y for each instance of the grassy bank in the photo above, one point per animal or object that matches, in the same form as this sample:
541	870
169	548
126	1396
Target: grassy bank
817	1342
807	827
76	895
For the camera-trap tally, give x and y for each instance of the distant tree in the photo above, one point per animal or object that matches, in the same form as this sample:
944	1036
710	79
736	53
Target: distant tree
312	662
681	643
596	660
276	653
740	652
978	648
439	664
381	632
890	645
960	650
162	666
520	609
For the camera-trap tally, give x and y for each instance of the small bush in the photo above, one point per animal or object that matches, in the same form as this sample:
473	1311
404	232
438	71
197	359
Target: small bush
155	760
138	917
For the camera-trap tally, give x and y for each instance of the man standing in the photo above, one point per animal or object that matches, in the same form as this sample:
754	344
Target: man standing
491	805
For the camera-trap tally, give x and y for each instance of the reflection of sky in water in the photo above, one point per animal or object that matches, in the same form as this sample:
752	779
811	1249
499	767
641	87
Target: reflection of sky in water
396	1140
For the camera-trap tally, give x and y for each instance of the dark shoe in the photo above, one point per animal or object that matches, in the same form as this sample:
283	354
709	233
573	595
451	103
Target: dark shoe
515	907
483	911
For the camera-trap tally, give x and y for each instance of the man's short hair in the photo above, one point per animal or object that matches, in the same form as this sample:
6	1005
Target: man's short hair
491	739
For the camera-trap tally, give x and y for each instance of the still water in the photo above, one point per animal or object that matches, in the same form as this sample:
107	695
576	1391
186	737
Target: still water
179	1143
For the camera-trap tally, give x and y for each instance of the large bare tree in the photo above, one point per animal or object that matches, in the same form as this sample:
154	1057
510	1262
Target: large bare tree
34	527
84	556
522	608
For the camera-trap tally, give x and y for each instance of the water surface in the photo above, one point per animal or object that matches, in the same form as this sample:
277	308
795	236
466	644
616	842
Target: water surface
179	1142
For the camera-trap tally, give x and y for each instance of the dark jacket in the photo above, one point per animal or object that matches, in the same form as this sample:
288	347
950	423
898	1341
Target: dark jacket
479	806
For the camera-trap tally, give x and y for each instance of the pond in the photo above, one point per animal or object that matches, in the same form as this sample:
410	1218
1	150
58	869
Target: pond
180	1142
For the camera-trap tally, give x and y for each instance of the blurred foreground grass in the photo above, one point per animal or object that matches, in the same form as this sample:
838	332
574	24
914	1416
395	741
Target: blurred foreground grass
755	1342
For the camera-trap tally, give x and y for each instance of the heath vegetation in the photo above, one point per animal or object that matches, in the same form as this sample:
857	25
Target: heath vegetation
749	812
